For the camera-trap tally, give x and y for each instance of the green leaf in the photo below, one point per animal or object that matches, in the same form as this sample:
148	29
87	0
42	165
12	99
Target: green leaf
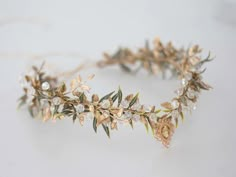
114	98
58	115
176	122
95	124
183	100
125	68
196	85
81	97
207	59
134	100
106	129
62	88
203	85
131	124
106	97
182	116
55	109
146	123
20	104
30	109
149	124
157	111
201	72
146	127
67	111
119	96
74	118
35	68
22	101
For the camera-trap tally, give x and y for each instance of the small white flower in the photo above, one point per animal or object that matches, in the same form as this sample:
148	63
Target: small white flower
105	104
127	115
188	76
153	116
56	101
124	104
136	117
45	86
175	104
175	114
179	91
184	82
80	108
191	105
191	93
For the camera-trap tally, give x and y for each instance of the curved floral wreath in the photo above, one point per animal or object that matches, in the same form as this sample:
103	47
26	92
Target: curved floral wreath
50	99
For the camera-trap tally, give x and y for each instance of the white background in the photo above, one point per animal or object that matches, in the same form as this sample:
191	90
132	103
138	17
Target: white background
204	145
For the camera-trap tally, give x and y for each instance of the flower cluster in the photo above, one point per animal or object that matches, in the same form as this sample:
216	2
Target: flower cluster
50	99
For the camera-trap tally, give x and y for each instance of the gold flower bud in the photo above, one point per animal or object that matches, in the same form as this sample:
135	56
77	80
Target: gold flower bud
95	98
114	125
120	112
129	97
91	108
164	130
81	120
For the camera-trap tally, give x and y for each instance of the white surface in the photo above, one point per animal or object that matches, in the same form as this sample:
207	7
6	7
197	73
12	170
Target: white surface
203	146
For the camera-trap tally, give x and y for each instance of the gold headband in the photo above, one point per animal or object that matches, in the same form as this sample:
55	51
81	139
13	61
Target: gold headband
49	99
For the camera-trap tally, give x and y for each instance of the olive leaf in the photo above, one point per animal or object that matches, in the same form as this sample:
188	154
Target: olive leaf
204	86
55	109
157	111
207	59
22	101
82	97
166	110
106	129
145	122
183	100
182	116
176	122
125	68
58	116
196	85
74	118
62	88
95	124
114	98
106	97
120	95
131	124
20	104
30	109
35	69
150	123
134	100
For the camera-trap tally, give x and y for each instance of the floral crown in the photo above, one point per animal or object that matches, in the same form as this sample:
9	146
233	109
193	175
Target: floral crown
48	98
